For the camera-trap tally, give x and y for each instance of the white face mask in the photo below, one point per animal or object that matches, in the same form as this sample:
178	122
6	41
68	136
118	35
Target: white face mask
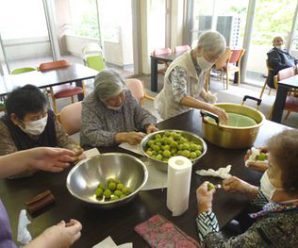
204	64
266	187
279	47
35	127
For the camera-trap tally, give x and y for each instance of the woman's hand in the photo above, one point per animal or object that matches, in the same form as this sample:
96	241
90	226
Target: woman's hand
131	138
221	113
151	128
62	235
256	165
235	184
79	153
49	159
204	197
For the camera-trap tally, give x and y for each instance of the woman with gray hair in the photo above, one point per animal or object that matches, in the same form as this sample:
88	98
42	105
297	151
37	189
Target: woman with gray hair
184	79
111	115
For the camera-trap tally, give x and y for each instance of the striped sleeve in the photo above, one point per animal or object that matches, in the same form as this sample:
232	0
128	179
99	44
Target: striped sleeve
206	223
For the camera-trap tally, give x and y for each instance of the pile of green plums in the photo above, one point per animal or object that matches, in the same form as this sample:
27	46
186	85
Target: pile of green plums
163	146
113	190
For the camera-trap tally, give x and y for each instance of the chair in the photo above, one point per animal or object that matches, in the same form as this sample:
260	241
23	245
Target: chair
291	104
267	81
136	88
183	48
22	70
162	51
61	91
93	57
233	65
96	62
220	64
70	118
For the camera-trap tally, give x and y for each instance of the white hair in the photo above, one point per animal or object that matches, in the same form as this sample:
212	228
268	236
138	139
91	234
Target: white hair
108	83
212	41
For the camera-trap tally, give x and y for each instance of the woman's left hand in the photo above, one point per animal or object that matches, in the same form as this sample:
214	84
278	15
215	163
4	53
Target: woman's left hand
204	197
79	152
151	128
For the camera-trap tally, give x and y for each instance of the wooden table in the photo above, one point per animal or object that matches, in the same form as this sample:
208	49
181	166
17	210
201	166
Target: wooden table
119	223
154	66
73	73
282	91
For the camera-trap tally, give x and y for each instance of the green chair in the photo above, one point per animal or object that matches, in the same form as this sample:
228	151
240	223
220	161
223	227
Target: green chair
22	70
95	61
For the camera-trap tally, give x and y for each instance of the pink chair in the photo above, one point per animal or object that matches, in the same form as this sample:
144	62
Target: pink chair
70	118
136	88
61	91
181	49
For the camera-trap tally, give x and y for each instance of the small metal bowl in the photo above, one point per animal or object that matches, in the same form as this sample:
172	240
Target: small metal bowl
84	178
161	165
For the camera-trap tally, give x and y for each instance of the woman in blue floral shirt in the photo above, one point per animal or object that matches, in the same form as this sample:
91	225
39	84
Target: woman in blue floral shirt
275	224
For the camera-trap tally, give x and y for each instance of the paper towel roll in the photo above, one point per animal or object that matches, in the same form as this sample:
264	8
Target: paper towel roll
179	177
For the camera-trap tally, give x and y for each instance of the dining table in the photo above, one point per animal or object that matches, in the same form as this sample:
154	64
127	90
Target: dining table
74	73
119	223
282	91
155	59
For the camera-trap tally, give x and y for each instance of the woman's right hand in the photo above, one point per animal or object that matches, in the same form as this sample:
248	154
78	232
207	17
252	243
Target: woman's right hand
62	235
134	138
221	113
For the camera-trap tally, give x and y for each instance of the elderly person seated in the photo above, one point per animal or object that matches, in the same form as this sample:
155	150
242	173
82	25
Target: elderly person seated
28	123
111	115
278	59
185	78
274	205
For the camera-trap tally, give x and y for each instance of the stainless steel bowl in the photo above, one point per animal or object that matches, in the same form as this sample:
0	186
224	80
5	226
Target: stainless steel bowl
84	178
164	165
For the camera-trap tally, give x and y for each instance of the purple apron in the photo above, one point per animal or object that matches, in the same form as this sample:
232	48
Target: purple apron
5	230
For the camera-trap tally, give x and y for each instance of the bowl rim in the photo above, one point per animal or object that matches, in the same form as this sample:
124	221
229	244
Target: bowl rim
84	162
147	138
222	104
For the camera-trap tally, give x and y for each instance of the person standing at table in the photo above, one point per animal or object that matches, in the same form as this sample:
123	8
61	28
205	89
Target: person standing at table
274	205
47	159
185	78
278	59
111	115
28	123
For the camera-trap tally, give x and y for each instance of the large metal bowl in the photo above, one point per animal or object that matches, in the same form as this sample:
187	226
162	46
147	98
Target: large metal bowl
161	165
84	178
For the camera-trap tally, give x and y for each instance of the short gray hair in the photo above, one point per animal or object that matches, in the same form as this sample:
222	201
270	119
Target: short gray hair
108	83
212	41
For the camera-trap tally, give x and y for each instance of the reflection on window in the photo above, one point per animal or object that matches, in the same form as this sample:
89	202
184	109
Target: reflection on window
22	19
226	16
84	18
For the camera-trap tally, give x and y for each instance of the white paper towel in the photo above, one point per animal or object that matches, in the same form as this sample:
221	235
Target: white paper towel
179	177
24	236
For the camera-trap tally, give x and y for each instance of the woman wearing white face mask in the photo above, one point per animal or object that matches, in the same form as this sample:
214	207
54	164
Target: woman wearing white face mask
184	79
28	123
273	211
111	115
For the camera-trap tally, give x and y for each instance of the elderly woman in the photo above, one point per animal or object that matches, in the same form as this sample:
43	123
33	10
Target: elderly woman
111	115
28	123
184	79
276	200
